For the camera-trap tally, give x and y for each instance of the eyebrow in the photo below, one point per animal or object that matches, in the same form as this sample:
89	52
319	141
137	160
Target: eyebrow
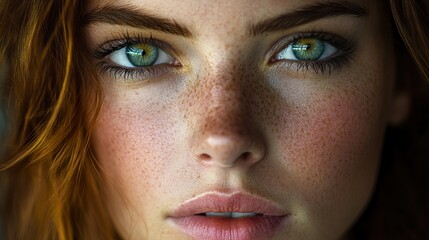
129	16
308	14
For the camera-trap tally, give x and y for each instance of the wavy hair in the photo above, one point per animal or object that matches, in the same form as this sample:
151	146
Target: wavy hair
51	182
50	177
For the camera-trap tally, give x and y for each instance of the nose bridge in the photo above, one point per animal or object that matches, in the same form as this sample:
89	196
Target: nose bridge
224	134
225	105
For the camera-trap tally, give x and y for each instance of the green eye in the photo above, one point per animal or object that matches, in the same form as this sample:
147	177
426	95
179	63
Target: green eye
142	55
308	49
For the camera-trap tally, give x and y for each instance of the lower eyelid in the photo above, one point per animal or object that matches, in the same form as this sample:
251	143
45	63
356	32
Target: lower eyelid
316	67
132	75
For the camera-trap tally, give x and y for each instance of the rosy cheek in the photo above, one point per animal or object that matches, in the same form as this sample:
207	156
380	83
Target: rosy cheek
327	131
132	145
330	150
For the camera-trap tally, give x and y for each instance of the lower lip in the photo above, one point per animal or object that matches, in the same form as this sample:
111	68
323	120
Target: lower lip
211	228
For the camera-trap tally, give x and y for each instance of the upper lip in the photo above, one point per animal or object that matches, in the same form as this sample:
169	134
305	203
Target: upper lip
227	202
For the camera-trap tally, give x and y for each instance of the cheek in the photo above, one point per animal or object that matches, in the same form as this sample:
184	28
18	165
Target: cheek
132	142
331	139
329	143
330	128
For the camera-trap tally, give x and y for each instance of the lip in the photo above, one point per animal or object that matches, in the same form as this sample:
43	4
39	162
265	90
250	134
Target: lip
186	217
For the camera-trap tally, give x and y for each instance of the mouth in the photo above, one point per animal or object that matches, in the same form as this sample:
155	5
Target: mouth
238	216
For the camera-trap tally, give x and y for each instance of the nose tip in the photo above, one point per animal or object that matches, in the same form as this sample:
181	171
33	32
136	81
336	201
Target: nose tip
226	151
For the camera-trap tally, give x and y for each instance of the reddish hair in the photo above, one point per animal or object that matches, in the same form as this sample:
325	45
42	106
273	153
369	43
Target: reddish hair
52	178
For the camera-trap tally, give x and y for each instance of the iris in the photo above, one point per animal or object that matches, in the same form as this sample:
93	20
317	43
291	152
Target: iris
142	55
308	49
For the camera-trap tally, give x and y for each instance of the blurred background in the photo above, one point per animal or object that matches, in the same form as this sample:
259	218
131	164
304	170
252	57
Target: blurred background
2	115
2	136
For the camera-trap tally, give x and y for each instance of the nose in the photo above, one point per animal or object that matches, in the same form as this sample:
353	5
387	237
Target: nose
225	134
229	150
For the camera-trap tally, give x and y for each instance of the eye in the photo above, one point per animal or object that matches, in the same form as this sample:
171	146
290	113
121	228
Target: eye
307	49
140	55
314	52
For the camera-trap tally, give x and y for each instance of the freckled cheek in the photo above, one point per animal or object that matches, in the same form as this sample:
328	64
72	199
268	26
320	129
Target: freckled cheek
134	147
331	144
329	155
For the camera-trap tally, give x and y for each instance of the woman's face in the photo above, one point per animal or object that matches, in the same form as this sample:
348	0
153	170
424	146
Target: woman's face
273	109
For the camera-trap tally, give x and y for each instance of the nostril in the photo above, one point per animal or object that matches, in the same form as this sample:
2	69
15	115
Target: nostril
246	155
205	157
228	150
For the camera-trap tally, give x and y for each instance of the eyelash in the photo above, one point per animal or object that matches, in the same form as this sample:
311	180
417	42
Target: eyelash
121	41
330	64
335	63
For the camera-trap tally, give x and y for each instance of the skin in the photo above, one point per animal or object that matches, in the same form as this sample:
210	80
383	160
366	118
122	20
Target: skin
225	119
